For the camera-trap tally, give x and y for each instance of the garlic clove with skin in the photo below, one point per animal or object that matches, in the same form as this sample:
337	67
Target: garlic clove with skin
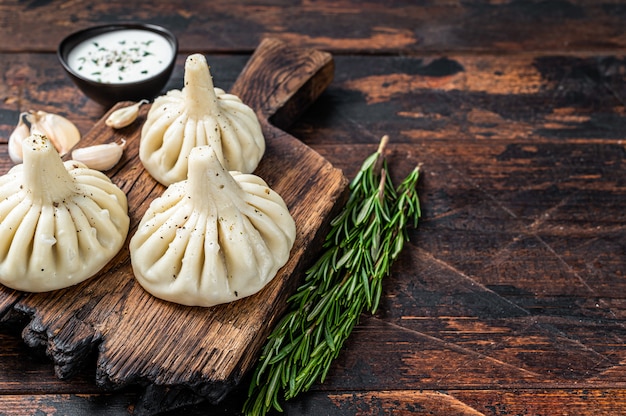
124	116
101	157
20	132
62	133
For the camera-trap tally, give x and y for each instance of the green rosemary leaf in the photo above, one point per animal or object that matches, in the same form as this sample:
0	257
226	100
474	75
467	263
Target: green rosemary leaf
367	164
377	292
285	350
398	245
306	347
292	384
344	259
322	305
365	278
314	376
342	289
325	369
366	210
271	388
256	407
353	283
329	338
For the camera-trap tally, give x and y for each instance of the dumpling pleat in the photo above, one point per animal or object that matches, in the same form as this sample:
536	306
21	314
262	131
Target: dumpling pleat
170	236
87	241
213	284
232	147
66	248
213	135
102	228
273	236
245	251
43	242
157	128
22	243
168	154
12	212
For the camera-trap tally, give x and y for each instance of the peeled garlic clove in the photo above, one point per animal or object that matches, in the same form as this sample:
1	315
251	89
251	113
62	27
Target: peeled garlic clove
20	132
101	156
124	116
62	133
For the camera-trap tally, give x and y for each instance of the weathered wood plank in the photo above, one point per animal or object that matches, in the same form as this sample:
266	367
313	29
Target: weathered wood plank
347	26
26	370
66	404
582	402
454	97
546	401
555	402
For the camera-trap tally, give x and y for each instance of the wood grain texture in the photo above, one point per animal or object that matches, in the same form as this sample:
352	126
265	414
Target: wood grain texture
398	26
141	339
510	297
553	402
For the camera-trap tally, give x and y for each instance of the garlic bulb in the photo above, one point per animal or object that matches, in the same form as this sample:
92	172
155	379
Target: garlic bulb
59	130
60	222
124	116
213	238
100	156
198	115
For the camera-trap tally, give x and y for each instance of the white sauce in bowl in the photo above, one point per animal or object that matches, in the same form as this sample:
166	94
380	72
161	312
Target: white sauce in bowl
121	56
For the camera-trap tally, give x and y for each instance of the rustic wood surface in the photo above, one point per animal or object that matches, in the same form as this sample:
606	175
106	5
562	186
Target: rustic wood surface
510	298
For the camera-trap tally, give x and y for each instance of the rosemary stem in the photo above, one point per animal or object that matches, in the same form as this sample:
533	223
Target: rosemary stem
364	240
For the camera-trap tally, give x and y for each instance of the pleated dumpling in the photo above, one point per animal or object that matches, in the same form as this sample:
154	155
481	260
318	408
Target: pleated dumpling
213	238
60	222
198	115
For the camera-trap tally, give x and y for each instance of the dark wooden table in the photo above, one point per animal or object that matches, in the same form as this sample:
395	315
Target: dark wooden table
511	297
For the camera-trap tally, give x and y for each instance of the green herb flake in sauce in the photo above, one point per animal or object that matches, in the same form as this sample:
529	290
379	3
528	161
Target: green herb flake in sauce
115	59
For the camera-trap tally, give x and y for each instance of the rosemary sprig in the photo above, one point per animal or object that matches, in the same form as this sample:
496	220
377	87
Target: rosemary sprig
364	240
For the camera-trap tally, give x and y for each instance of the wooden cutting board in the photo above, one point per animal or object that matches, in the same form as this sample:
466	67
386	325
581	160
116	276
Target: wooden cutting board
185	354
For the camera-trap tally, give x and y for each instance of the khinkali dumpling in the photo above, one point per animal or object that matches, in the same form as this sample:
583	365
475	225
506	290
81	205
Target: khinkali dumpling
60	222
198	115
215	237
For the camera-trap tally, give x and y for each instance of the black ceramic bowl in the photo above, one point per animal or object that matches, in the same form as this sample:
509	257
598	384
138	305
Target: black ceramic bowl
101	70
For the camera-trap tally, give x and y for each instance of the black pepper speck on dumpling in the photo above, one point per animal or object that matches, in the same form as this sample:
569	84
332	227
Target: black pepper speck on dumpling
213	238
199	115
60	222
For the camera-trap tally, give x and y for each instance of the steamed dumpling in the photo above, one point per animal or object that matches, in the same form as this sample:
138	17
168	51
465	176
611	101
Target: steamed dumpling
60	222
215	237
198	115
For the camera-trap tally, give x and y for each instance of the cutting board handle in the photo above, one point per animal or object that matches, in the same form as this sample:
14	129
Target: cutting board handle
280	81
